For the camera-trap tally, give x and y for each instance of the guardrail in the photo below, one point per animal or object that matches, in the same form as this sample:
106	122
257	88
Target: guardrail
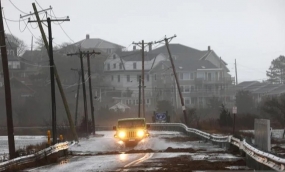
34	157
265	158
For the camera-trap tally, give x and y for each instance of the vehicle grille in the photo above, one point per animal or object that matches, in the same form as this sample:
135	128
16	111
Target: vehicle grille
131	134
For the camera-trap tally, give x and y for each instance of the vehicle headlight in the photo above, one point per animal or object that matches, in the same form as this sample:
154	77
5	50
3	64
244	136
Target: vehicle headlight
122	134
140	133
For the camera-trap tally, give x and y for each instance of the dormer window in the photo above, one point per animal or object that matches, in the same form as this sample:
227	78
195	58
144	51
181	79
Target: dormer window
114	56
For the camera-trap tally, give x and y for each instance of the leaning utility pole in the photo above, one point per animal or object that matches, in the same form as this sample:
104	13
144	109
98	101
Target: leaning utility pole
53	104
236	72
77	95
175	75
9	115
142	75
55	71
90	89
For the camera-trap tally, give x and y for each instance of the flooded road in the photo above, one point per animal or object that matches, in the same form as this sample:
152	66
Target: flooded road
155	153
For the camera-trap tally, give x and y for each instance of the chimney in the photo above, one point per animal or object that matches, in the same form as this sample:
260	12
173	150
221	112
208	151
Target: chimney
149	47
134	48
87	36
209	48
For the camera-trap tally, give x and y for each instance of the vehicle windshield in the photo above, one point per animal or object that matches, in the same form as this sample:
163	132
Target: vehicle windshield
131	124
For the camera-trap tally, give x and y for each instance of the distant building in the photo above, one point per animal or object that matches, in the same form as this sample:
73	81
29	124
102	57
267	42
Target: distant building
98	44
261	90
122	71
201	74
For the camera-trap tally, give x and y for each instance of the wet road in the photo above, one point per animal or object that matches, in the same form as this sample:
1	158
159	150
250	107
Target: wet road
107	143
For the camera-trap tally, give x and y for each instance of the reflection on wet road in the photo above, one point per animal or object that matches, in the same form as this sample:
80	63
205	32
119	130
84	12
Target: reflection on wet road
114	162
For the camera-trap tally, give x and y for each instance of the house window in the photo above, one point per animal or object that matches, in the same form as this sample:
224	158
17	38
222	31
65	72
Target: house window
147	77
187	101
192	76
181	76
192	88
121	66
147	101
128	78
108	66
114	65
186	76
138	78
181	88
134	65
186	89
119	78
114	56
155	77
112	78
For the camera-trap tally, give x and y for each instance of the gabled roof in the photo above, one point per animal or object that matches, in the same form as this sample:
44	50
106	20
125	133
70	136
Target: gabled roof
267	88
211	52
189	65
246	84
92	43
136	55
119	106
181	51
278	90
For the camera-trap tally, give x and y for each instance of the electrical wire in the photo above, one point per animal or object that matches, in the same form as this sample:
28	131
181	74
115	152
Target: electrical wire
62	28
17	7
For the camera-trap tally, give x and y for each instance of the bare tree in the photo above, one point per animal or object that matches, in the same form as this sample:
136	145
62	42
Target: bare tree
20	44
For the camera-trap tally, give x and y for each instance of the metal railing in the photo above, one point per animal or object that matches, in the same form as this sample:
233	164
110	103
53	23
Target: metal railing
265	158
34	157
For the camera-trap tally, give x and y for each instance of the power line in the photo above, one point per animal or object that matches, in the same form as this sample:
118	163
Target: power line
17	7
62	28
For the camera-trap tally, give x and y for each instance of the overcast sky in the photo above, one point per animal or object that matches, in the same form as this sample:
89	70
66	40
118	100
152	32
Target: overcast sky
250	31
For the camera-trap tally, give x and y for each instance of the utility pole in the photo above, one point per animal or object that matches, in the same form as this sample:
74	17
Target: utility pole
53	104
84	88
32	43
39	21
77	95
139	115
175	75
236	72
90	90
8	100
142	44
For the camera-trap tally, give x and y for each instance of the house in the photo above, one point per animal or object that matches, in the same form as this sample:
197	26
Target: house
98	44
201	74
260	90
122	71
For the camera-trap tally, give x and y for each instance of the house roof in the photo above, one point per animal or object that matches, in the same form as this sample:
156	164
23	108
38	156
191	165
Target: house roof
136	55
188	65
119	106
97	43
267	88
245	84
181	51
278	90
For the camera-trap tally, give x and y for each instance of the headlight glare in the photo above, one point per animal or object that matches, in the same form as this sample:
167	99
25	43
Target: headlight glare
140	133
122	134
